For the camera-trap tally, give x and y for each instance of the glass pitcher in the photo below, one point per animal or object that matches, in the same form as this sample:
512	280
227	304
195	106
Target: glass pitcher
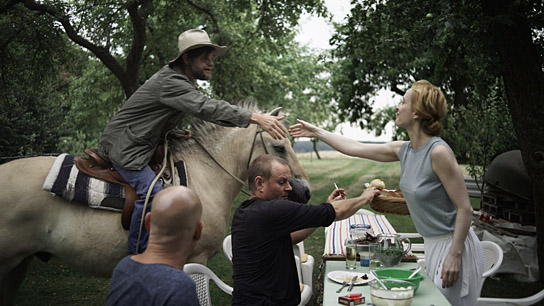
392	248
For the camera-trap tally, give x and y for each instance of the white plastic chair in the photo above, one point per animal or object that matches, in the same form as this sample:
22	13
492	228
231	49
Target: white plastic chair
530	300
306	264
227	247
364	212
493	256
201	275
304	269
305	291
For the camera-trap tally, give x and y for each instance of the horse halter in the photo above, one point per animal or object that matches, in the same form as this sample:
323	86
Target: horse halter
259	132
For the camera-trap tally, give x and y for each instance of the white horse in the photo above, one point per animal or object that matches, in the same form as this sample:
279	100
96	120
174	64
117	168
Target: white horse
33	222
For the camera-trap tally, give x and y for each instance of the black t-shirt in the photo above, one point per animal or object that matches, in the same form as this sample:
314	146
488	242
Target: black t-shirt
264	268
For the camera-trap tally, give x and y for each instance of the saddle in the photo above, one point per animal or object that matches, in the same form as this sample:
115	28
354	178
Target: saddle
95	166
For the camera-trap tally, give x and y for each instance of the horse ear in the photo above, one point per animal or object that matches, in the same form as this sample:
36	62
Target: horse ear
275	112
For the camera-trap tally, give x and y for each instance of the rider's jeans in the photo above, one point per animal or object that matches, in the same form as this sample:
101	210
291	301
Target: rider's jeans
140	180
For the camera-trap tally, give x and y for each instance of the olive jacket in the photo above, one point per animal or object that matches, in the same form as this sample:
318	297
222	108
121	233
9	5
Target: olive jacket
158	106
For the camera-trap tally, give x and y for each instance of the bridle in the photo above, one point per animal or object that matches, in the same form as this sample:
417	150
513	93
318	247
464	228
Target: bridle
259	132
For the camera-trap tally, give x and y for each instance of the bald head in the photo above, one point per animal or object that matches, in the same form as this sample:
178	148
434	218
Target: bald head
175	216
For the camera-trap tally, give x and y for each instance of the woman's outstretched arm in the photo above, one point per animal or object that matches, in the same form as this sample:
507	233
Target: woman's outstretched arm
386	152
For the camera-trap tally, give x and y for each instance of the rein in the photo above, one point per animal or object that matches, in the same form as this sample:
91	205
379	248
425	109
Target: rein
157	177
249	160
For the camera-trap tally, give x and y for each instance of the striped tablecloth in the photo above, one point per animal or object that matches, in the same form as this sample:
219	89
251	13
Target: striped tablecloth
336	233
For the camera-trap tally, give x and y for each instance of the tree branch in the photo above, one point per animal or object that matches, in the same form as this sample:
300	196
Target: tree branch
397	90
209	13
100	52
138	17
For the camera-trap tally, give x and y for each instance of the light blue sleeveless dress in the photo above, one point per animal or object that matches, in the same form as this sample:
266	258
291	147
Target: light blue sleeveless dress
434	215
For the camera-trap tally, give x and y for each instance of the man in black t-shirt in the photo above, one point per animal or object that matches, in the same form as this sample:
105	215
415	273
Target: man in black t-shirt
265	227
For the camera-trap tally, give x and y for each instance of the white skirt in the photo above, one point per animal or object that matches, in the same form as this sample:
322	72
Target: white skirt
469	284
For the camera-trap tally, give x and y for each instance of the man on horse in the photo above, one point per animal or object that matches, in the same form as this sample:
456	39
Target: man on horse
265	228
157	107
156	276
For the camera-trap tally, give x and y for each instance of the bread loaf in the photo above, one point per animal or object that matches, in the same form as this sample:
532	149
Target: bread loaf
379	184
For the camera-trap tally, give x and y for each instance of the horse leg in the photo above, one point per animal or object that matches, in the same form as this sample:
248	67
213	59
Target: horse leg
12	280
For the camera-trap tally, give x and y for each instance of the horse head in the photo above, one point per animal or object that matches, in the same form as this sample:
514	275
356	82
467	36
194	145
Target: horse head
217	160
302	191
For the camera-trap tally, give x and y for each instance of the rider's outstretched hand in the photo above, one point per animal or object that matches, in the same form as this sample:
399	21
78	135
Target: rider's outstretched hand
271	124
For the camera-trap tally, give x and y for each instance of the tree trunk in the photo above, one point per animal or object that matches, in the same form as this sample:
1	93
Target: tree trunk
314	143
138	11
523	79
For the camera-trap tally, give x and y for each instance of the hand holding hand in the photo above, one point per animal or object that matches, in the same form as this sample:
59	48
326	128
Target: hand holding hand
302	129
270	124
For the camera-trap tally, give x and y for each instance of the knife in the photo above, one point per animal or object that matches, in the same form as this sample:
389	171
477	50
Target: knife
344	284
352	282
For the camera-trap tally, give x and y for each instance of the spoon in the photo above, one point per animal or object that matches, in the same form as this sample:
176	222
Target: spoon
379	280
415	272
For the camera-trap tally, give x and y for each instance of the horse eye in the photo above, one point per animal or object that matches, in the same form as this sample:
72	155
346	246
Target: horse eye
279	149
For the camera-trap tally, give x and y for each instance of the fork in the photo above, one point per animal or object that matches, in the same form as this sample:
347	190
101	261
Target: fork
344	284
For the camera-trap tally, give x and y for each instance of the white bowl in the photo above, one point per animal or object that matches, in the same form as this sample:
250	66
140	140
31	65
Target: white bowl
398	293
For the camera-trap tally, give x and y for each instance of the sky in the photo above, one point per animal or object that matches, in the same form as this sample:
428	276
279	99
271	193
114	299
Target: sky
315	32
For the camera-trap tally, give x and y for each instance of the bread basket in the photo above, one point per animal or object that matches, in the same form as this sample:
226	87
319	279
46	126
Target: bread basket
390	202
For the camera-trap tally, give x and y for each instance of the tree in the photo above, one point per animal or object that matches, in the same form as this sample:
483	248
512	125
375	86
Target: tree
117	33
521	55
33	79
126	42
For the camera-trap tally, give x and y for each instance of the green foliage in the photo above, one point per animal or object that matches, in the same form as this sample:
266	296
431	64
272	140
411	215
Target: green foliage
487	131
91	101
32	81
389	44
262	61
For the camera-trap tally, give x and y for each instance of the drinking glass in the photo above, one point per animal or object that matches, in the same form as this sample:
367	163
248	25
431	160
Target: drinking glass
351	254
367	253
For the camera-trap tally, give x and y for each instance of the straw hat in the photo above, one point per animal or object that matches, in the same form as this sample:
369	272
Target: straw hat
192	39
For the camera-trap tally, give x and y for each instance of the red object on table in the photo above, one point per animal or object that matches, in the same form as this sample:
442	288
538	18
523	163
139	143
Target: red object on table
351	299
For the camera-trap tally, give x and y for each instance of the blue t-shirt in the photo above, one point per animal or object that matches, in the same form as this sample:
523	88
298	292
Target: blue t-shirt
135	283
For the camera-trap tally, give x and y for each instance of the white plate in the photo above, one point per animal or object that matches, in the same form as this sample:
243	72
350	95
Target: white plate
347	276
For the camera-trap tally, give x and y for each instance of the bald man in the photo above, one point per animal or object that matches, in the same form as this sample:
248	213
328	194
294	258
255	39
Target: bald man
156	276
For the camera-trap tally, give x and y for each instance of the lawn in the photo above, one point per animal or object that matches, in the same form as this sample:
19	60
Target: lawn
53	283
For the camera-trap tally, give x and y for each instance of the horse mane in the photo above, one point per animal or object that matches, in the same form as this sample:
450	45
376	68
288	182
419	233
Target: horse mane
205	129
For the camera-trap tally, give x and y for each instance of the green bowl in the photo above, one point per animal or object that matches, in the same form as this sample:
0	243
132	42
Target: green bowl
402	274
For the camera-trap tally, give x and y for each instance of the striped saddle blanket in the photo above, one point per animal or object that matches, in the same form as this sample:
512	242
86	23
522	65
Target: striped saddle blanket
65	180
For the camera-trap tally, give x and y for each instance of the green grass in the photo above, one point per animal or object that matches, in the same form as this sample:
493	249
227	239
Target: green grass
53	283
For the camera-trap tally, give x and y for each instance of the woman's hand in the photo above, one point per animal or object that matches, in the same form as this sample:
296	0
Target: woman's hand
303	129
450	270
